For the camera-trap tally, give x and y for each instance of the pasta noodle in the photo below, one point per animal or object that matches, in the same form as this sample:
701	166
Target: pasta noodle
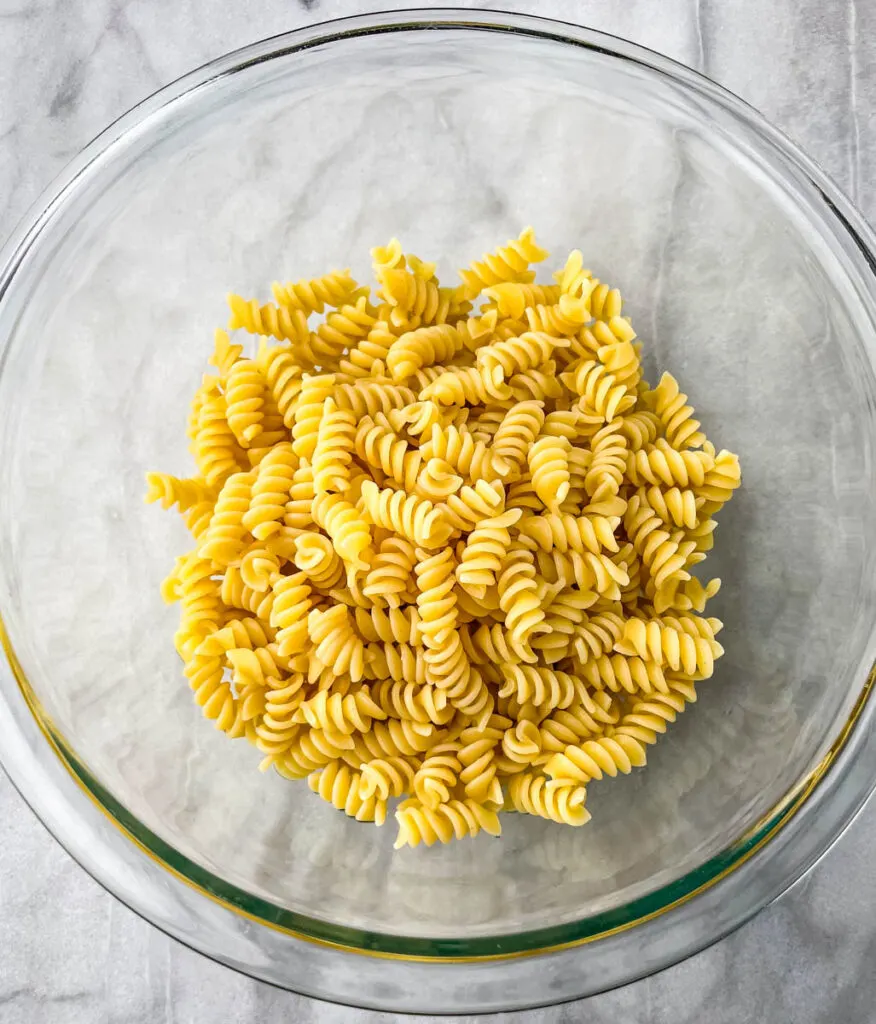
443	554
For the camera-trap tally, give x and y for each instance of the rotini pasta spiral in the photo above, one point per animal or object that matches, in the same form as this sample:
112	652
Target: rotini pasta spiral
423	347
201	602
284	375
647	719
387	777
510	262
454	819
391	574
539	685
341	787
478	775
720	481
393	738
259	567
675	506
171	490
457	447
415	518
280	322
621	360
567	316
600	393
466	385
568	726
396	661
501	360
224	356
290	606
312	296
436	779
437	481
378	445
605	301
563	802
606	755
574	279
388	257
416	419
513	299
303	751
234	593
393	625
336	713
571	424
336	643
680	429
341	331
348	530
687	644
664	554
214	446
661	464
413	701
246	632
515	435
316	557
539	383
299	507
572	533
223	541
270	491
607	464
369	398
308	413
549	466
597	634
436	600
444	554
640	428
333	454
617	672
245	397
518	595
471	505
484	552
419	300
494	643
367	356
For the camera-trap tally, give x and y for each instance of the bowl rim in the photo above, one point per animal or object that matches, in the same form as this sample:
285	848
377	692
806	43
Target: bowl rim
848	760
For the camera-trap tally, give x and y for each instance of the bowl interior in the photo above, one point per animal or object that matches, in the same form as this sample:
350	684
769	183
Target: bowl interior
452	140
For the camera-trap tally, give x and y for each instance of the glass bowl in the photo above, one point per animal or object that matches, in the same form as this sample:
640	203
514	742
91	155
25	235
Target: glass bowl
746	272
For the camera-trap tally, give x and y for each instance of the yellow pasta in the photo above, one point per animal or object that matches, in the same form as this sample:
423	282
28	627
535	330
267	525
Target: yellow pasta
391	574
549	466
445	541
509	262
333	453
267	503
562	802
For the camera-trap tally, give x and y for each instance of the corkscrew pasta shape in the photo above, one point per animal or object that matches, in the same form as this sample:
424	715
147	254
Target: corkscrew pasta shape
444	540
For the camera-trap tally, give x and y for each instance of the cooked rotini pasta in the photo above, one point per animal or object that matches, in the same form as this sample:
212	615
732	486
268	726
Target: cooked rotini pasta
444	541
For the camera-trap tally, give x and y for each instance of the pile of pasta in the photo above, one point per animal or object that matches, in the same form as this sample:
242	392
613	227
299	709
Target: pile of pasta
443	541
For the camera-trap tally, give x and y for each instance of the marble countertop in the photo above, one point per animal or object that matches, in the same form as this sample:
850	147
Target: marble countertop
70	953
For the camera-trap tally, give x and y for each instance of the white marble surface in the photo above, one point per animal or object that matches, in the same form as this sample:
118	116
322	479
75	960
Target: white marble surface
70	953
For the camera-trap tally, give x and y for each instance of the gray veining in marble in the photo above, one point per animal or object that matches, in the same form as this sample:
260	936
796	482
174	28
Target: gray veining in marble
69	953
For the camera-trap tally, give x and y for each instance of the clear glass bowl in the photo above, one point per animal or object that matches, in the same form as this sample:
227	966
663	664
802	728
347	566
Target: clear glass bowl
746	273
